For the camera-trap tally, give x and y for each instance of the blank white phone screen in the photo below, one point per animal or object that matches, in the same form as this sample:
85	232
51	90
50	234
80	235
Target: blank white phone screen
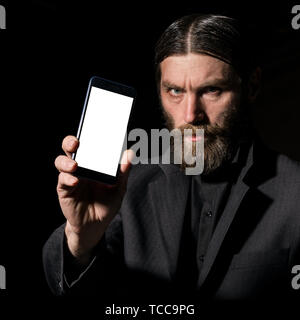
103	131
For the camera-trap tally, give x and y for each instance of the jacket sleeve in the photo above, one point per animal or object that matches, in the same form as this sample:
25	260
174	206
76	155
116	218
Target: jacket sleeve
103	271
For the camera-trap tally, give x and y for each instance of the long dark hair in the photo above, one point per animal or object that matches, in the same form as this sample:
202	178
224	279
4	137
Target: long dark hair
219	36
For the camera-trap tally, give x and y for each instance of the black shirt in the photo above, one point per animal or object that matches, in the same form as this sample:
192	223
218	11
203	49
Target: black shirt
207	198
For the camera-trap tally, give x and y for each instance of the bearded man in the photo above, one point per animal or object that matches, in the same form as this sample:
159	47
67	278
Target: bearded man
229	233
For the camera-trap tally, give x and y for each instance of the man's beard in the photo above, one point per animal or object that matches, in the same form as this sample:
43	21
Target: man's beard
220	141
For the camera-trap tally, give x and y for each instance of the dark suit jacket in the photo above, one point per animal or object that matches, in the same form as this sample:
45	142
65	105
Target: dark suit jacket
251	254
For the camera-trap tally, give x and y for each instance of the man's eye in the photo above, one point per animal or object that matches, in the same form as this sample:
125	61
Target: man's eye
175	92
213	90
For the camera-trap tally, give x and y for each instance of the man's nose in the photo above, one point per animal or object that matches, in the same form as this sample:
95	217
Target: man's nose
193	110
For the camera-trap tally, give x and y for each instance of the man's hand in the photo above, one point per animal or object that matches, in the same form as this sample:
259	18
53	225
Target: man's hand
89	206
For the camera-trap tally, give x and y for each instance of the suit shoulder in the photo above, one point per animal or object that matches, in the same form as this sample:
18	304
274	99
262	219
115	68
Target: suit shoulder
276	163
288	167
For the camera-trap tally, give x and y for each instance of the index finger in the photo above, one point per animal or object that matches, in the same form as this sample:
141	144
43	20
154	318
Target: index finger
69	145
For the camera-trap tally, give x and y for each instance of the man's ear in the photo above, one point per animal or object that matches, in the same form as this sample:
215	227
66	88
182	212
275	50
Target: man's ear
254	84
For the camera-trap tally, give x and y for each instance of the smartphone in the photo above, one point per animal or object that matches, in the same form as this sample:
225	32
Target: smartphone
102	130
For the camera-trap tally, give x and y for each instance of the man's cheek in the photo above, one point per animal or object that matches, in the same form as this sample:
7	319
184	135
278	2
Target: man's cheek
173	114
215	117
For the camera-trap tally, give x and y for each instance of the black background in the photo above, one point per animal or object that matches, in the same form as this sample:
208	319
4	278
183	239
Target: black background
48	53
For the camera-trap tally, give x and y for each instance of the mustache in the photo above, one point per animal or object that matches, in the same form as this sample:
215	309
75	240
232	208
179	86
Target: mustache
210	131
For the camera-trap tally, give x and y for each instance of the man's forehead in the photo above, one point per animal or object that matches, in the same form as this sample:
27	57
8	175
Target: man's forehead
194	67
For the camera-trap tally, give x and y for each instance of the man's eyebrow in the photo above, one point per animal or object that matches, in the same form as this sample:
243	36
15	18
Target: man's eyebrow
168	84
224	82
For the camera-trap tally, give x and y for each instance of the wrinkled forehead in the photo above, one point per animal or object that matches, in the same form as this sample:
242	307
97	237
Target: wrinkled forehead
195	69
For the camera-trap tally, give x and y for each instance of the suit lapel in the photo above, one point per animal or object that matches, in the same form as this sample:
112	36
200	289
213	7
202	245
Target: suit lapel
238	191
169	196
